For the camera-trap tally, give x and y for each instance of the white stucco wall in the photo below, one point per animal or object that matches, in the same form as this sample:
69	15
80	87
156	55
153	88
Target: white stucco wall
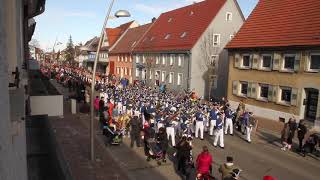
51	105
218	26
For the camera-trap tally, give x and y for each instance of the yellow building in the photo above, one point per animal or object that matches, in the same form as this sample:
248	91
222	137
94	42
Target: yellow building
274	61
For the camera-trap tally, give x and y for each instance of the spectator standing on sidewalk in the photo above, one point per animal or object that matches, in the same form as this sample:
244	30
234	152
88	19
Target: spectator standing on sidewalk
227	168
136	128
203	163
96	105
288	134
302	131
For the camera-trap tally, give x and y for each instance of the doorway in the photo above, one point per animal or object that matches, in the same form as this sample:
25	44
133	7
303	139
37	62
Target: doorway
311	104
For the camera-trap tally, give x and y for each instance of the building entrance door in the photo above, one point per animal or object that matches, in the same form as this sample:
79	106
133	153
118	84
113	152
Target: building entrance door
311	103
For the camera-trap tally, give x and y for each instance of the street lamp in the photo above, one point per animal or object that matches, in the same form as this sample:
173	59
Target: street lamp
118	14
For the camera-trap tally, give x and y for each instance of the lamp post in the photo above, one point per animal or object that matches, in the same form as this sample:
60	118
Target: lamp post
118	14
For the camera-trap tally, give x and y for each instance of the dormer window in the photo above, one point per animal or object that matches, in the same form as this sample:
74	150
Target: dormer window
191	13
167	36
152	38
170	19
229	16
184	34
134	43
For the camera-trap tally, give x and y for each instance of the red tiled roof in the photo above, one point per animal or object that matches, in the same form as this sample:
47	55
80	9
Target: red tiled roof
130	39
192	19
280	23
113	34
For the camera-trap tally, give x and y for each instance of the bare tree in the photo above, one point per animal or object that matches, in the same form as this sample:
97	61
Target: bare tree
34	43
209	60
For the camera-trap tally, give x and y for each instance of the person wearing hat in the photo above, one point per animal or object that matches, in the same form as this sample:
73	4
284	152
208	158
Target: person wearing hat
213	116
199	117
229	123
170	130
227	168
219	131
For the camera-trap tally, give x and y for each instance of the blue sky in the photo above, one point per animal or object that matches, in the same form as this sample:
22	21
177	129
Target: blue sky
83	18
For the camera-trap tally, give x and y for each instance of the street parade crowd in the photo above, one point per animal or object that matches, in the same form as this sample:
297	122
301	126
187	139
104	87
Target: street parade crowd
157	119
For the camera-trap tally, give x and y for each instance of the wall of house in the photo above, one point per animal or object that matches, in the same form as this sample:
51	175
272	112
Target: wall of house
274	108
123	66
167	68
198	68
13	164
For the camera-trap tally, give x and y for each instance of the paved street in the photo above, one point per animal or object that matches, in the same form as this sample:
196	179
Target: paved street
262	157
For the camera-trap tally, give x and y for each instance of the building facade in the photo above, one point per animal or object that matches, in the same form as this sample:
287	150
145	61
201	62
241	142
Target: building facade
276	73
184	48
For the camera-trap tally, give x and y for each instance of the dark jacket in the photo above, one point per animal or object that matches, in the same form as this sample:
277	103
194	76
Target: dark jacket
302	130
163	140
136	125
183	149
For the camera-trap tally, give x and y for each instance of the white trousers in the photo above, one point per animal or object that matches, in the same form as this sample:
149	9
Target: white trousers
229	124
159	125
212	125
170	132
218	136
199	126
248	135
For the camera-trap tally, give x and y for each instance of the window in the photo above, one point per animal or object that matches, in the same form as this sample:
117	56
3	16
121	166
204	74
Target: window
191	13
130	59
184	34
171	60
171	77
137	72
152	38
180	60
167	36
163	60
231	37
125	59
285	94
266	61
130	72
118	58
157	75
170	19
122	58
118	70
134	43
216	39
229	16
244	88
179	80
264	91
137	59
143	59
157	60
150	74
246	60
125	71
213	60
163	76
289	62
315	62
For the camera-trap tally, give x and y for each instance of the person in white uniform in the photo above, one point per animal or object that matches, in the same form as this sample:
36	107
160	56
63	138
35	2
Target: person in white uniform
228	123
219	131
199	124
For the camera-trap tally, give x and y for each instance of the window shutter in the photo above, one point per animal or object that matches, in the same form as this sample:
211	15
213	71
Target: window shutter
254	90
255	61
237	58
270	93
249	89
276	93
276	61
297	62
235	87
294	96
307	59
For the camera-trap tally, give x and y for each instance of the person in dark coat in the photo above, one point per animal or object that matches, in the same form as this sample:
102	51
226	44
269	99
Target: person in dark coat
136	127
163	142
183	154
148	133
288	134
302	131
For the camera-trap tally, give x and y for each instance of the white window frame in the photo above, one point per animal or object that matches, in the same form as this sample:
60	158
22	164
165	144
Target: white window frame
171	77
171	59
118	70
250	59
167	36
163	76
229	19
215	44
180	60
137	59
163	60
122	58
130	72
240	91
266	68
143	59
137	72
130	58
179	79
280	95
157	60
125	59
118	58
184	34
150	74
159	75
259	91
309	63
284	62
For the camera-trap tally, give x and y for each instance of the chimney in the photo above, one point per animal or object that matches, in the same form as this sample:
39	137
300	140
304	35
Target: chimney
153	19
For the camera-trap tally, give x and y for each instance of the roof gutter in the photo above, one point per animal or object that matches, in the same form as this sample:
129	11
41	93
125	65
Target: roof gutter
39	9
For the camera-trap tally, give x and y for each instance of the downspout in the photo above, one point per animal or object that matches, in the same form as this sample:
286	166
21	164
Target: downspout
189	70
